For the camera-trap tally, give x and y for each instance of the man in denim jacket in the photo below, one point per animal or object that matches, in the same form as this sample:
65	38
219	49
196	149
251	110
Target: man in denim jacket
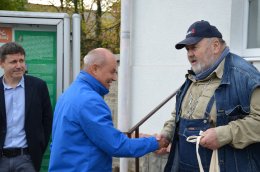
221	96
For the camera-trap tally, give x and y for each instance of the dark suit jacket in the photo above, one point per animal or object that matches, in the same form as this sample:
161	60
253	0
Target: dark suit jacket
38	117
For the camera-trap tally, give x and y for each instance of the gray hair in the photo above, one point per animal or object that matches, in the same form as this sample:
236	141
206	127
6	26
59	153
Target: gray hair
96	56
220	40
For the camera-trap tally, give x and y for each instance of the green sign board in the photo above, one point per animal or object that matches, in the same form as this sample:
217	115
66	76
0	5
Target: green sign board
41	61
41	56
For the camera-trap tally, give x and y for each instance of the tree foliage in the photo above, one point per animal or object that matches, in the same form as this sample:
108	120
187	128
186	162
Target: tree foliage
100	26
100	23
13	5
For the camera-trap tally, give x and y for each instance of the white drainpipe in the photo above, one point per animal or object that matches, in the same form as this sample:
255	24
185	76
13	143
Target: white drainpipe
76	44
67	54
124	76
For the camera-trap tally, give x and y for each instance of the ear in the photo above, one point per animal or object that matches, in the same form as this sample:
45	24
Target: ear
94	69
216	47
1	63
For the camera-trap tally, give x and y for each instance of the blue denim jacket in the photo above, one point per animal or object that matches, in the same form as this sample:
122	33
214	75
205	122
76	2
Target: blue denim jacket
232	98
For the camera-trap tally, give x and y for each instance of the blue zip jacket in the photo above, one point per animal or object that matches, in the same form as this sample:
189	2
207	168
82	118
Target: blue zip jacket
83	137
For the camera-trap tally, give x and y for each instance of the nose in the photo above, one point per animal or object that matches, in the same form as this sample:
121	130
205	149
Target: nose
190	53
18	65
114	77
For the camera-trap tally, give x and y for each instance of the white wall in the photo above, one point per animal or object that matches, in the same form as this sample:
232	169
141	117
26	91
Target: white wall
157	67
257	65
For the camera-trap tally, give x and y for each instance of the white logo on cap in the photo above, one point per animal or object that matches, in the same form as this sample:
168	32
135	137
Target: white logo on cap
190	32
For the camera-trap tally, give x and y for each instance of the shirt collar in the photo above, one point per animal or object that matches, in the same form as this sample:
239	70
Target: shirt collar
21	83
220	69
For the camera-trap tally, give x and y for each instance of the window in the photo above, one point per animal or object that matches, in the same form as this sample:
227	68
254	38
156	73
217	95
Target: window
245	30
253	31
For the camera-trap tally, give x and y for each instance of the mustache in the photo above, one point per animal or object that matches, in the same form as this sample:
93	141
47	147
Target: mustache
192	59
18	70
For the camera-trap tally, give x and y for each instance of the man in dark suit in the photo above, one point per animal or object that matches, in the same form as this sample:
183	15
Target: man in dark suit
25	113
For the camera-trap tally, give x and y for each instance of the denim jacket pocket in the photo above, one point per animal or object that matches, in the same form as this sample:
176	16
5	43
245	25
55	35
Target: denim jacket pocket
238	112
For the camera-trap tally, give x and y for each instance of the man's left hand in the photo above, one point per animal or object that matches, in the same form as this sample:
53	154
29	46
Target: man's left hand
209	139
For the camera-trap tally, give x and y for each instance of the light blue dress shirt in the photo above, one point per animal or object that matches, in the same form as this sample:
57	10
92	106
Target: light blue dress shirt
15	115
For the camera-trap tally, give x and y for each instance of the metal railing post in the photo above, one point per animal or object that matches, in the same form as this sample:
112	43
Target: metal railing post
136	127
137	159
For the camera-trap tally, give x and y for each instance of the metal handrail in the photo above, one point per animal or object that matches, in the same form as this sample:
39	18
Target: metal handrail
136	127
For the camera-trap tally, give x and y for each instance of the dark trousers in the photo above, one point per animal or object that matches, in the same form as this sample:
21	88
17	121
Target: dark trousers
21	163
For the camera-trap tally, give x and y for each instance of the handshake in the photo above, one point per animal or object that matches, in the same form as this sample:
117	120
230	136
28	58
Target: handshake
163	143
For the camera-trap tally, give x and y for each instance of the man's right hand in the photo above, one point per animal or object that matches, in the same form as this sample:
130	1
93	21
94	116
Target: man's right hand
162	141
163	144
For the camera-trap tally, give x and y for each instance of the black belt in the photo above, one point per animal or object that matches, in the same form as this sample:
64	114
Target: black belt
13	152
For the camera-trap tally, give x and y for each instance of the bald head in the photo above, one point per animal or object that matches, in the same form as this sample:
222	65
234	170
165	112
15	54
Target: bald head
98	56
101	63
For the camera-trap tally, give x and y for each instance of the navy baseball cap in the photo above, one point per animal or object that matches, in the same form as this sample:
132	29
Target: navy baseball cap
197	31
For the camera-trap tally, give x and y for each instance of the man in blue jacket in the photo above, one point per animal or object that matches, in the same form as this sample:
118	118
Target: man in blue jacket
83	137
